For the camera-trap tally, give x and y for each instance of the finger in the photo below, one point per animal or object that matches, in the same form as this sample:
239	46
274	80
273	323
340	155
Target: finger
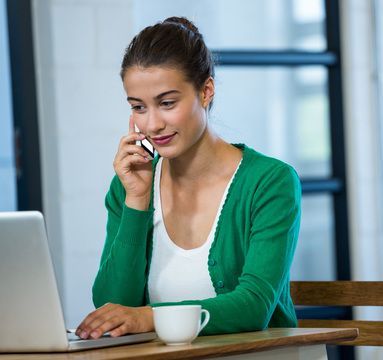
128	165
130	153
129	149
83	330
101	326
123	329
133	160
89	329
95	313
83	327
131	125
131	138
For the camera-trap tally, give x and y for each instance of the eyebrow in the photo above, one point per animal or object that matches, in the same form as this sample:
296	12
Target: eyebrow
129	98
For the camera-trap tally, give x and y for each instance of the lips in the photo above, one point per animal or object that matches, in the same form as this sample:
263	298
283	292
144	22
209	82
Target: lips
163	140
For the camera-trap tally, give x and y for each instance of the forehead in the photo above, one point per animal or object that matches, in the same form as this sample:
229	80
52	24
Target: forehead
139	81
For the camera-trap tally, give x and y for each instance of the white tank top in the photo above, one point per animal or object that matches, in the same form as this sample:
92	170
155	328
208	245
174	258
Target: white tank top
177	274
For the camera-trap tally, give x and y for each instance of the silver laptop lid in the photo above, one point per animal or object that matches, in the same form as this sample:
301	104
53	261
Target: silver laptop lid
30	311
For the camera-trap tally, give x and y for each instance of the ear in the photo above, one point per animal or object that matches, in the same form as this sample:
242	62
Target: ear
207	92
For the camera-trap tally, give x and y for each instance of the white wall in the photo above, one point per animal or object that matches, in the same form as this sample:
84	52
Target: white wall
363	132
82	113
378	24
364	146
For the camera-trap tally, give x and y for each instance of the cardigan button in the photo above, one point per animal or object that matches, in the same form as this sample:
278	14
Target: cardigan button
211	262
220	284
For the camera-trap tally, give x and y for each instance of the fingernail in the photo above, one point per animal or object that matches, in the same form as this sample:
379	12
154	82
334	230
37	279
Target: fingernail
83	335
94	334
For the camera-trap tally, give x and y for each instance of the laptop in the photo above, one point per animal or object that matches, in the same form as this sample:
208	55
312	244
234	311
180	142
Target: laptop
31	317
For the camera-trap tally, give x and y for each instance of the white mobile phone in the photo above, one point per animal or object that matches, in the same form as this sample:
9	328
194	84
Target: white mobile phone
145	144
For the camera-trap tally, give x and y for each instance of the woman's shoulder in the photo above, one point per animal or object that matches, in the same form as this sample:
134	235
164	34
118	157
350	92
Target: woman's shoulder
258	167
260	161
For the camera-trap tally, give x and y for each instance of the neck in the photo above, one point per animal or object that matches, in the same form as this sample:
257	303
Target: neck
202	161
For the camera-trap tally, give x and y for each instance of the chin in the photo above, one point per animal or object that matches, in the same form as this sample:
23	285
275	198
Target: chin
164	152
168	153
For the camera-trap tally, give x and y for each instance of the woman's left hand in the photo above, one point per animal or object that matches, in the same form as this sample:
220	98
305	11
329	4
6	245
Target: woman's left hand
117	320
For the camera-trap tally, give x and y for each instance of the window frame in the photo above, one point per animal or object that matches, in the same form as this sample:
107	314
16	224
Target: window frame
334	185
24	105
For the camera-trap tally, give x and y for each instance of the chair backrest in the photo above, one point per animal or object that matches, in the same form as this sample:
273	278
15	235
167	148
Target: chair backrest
342	293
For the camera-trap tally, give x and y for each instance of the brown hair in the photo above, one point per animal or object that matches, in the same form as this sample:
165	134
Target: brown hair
174	42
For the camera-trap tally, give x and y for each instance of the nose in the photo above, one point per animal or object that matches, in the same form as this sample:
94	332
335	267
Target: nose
154	122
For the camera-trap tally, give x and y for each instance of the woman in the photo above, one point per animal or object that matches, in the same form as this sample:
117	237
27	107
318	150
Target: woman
206	222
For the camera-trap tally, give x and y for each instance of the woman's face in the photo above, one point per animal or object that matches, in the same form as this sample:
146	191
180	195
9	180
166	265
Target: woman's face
167	108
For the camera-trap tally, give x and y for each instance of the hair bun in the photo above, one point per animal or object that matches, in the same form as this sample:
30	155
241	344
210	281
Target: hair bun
182	21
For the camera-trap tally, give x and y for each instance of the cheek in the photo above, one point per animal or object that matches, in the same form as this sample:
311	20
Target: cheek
140	122
189	116
178	117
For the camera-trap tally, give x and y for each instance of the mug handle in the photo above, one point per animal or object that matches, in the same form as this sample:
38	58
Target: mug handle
205	321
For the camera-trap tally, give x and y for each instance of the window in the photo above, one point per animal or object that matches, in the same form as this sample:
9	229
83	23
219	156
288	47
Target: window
24	105
279	90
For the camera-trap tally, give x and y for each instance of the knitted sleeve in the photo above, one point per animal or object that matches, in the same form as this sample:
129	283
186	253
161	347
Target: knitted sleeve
121	277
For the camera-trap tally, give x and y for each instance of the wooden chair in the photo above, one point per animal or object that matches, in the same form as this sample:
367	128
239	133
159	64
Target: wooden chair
342	293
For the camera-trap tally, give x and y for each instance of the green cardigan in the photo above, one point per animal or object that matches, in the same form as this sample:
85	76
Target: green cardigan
249	259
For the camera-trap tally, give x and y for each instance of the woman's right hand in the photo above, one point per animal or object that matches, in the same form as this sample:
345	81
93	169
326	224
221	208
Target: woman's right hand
134	169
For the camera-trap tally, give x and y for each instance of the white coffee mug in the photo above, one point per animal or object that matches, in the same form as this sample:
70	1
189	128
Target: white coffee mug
179	324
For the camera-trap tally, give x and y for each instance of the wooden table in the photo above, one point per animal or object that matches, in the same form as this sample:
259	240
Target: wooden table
274	343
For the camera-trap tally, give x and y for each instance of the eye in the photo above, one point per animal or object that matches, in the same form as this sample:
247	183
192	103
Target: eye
168	103
137	108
